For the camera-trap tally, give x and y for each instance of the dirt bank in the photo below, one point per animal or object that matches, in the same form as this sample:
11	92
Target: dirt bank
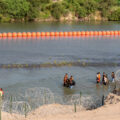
110	111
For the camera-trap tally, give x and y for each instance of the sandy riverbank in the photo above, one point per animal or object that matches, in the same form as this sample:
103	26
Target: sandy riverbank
110	111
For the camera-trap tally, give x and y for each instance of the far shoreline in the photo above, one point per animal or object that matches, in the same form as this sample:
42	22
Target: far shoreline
59	21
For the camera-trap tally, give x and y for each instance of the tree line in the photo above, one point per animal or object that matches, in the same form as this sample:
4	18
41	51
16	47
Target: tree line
29	10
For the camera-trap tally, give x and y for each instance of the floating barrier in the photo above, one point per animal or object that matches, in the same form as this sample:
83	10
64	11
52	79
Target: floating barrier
59	34
56	64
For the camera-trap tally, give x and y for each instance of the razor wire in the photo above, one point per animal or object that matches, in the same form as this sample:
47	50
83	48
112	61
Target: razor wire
33	98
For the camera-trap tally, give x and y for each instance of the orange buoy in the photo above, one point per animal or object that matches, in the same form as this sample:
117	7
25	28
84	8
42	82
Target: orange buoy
69	33
52	33
19	34
14	34
74	33
107	32
65	33
0	34
118	32
78	33
115	32
60	33
33	34
9	34
99	33
38	34
103	32
28	34
4	34
95	33
47	33
56	33
91	33
24	34
111	32
83	33
42	33
87	33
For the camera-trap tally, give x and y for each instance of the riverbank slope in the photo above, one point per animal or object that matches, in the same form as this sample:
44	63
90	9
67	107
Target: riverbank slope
59	10
110	111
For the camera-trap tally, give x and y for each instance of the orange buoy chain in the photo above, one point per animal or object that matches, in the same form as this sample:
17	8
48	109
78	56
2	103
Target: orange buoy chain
59	34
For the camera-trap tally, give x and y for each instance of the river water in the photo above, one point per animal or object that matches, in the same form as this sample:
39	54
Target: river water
97	49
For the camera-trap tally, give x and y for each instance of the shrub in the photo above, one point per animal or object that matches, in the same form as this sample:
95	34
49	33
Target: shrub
115	15
16	9
106	5
57	9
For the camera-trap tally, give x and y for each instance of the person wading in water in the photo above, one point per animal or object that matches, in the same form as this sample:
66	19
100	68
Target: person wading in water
71	80
106	81
1	93
65	79
98	77
103	77
113	76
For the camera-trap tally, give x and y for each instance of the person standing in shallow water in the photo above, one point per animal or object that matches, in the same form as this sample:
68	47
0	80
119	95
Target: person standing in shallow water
103	77
113	76
71	80
65	79
1	93
98	77
106	81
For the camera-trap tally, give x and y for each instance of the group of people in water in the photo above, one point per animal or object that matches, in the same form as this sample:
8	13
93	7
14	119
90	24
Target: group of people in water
105	79
67	82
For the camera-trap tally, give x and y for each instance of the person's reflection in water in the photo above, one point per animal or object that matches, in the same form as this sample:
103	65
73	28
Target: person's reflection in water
98	89
68	91
105	87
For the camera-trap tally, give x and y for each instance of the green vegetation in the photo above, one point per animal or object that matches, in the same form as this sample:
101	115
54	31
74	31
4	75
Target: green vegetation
115	15
12	9
29	10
